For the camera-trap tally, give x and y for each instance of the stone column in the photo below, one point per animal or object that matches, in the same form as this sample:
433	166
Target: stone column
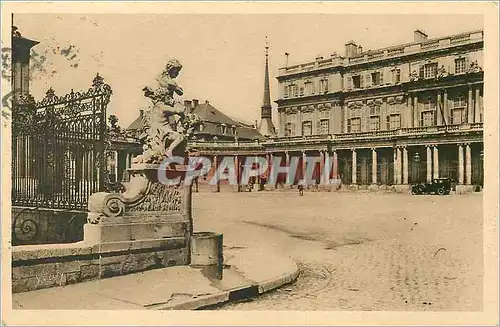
445	107
439	109
400	165
354	167
237	172
374	166
395	167
470	117
216	173
322	155
429	164
477	110
304	167
415	112
270	158
468	165
405	165
289	177
327	169
460	164
335	165
436	162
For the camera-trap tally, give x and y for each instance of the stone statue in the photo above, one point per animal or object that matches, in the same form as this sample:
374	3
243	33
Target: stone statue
166	125
474	67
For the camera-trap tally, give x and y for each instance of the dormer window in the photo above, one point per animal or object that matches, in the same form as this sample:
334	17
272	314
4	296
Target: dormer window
233	129
223	128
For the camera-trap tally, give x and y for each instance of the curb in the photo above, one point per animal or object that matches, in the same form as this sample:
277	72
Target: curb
233	294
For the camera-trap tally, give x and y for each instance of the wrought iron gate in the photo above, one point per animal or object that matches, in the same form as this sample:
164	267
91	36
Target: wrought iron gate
58	148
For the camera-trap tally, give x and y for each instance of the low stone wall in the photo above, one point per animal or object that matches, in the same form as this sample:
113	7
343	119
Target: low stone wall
43	266
46	226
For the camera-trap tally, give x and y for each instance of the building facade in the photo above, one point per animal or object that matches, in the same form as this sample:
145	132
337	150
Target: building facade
386	117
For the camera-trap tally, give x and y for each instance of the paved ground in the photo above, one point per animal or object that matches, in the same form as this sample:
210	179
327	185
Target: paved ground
358	251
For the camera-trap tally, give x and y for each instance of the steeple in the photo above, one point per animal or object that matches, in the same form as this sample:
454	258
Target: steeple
266	126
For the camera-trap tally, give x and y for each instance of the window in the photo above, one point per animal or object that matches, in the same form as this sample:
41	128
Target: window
460	66
393	109
354	125
429	104
356	81
457	116
393	121
427	118
376	78
223	129
324	126
201	127
429	70
323	86
286	91
355	112
459	102
396	76
374	123
374	111
309	88
307	128
301	91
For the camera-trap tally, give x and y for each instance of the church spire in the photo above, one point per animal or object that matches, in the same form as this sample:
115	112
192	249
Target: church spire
266	101
266	126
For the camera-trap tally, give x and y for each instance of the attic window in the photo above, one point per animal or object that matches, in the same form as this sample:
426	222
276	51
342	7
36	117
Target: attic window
223	128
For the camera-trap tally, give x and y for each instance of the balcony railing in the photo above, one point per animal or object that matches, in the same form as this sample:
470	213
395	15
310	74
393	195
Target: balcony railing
382	134
395	133
390	52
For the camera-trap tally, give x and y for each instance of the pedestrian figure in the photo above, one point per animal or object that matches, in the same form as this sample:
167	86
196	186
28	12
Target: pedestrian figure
301	189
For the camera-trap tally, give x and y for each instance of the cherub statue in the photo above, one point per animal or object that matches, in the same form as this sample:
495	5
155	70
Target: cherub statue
166	127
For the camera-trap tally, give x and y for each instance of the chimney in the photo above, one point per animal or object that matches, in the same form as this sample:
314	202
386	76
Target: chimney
351	49
319	57
195	102
206	101
360	50
419	36
187	104
141	113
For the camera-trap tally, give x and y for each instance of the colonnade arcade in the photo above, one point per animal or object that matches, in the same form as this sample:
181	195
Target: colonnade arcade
383	165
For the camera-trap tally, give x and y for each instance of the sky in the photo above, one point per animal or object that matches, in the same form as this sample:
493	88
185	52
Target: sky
222	55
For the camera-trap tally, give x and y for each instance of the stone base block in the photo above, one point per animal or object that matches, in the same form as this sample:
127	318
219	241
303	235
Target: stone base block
373	187
104	233
44	266
402	188
464	189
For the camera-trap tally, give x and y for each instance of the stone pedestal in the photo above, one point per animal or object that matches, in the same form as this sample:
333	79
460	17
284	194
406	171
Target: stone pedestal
149	225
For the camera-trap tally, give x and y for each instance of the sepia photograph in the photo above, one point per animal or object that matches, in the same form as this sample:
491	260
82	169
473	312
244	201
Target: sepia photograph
223	159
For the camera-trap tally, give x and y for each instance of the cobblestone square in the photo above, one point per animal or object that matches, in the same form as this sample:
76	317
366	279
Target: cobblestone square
358	251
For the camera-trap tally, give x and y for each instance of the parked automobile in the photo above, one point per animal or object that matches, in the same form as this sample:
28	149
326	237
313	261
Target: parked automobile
441	186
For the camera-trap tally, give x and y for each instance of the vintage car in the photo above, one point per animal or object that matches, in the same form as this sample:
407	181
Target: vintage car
441	186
